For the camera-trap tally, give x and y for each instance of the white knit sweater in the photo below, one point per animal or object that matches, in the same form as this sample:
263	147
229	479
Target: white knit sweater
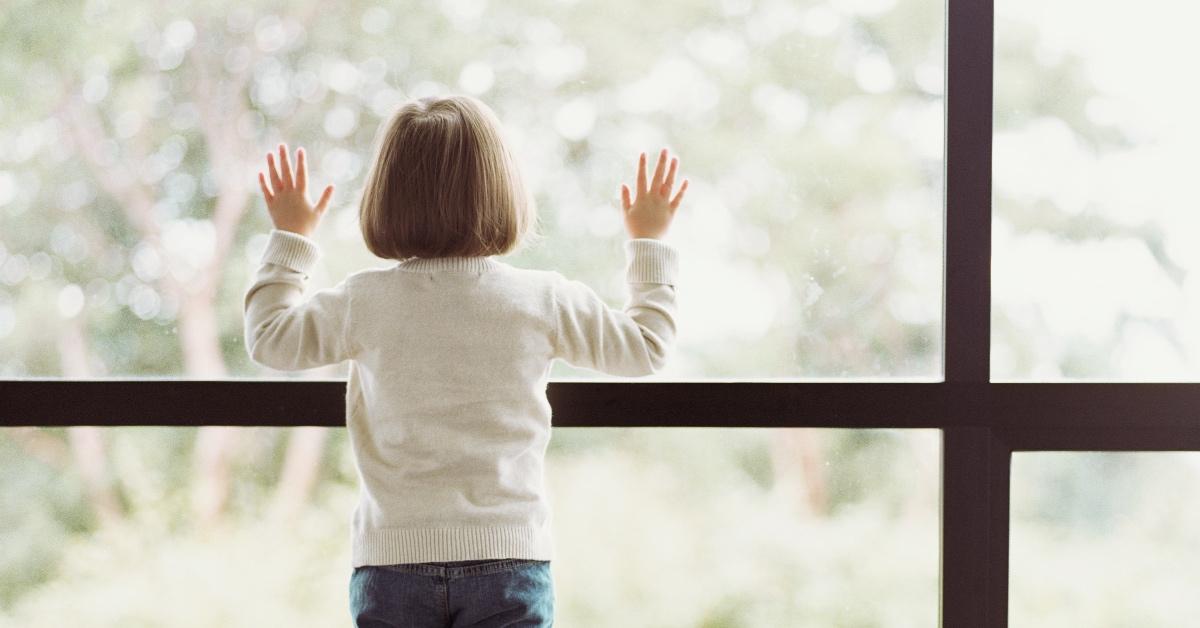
446	400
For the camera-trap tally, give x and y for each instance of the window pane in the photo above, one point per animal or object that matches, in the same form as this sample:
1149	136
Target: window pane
1104	539
652	527
1095	222
811	132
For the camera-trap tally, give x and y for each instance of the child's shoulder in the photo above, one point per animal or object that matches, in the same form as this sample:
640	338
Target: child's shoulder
501	269
546	278
533	277
369	274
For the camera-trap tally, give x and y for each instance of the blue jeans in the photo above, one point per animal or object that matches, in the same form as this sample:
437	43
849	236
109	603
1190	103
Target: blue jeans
481	593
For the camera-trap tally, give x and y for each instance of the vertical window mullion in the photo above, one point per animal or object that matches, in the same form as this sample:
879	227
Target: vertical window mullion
975	463
968	210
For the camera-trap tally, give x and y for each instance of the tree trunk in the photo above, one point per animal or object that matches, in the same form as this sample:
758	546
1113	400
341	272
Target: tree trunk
199	340
87	443
799	466
306	447
199	335
222	101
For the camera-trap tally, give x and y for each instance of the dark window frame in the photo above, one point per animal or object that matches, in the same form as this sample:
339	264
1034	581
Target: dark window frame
982	423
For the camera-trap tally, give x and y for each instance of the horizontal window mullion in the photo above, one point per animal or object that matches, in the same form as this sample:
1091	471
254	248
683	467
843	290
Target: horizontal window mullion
575	404
1063	409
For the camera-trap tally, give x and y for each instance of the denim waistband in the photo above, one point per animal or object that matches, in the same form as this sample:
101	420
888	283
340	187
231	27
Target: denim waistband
461	568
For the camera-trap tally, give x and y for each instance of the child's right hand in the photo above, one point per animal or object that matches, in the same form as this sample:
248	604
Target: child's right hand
650	214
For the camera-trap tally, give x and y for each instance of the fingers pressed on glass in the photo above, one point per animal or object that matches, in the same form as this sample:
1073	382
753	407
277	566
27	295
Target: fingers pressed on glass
670	182
641	176
301	170
625	202
659	169
679	195
276	182
285	164
324	199
266	191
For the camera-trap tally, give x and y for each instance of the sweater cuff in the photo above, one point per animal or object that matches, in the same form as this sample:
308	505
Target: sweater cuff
291	250
651	261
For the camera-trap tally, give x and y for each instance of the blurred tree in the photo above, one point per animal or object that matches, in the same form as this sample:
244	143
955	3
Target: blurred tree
157	121
811	131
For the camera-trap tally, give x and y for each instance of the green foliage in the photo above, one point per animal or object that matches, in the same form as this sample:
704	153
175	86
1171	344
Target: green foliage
658	527
747	94
1104	539
811	133
38	512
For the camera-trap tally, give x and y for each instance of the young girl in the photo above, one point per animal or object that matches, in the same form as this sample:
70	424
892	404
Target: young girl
449	351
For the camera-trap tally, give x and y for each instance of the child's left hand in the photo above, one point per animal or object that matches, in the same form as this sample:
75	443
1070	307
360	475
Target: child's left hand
287	196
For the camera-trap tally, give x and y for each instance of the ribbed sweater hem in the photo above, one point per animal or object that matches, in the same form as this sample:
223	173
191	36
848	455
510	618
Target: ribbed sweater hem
291	250
394	546
651	261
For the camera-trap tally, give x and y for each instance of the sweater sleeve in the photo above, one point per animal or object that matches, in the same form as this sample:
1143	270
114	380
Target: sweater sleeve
284	331
632	342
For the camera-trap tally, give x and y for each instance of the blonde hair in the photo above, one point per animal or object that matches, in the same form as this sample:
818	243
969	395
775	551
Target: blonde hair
444	184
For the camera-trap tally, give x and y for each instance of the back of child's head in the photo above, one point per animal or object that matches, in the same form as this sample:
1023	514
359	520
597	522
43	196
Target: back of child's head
445	184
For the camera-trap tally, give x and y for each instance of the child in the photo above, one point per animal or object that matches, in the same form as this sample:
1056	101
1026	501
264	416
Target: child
449	352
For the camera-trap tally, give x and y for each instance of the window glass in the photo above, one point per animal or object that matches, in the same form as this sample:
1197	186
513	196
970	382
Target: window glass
658	528
1104	539
1094	232
811	132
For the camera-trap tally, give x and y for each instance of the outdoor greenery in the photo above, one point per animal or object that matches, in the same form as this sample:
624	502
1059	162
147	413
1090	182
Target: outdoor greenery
811	131
1094	224
131	225
645	536
1094	244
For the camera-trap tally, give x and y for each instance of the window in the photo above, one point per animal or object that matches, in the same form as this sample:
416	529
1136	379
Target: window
653	527
1102	538
885	69
811	133
1092	189
129	223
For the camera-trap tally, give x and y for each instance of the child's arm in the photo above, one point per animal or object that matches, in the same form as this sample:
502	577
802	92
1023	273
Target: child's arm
282	330
635	341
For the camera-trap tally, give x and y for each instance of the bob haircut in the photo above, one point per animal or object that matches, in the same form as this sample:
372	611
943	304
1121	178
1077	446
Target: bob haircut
444	184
